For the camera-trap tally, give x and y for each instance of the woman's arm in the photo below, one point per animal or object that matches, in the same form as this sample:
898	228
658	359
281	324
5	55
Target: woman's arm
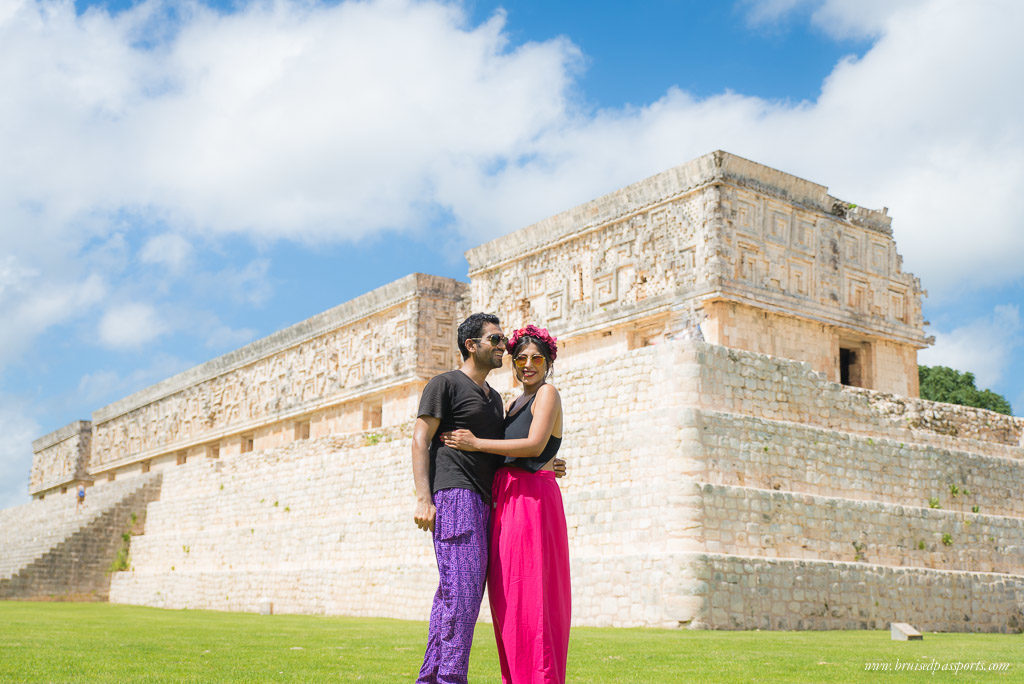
546	408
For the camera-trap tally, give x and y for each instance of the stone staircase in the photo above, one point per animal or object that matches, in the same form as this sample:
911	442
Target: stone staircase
52	553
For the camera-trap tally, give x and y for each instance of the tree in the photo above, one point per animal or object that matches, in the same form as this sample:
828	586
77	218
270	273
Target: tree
939	383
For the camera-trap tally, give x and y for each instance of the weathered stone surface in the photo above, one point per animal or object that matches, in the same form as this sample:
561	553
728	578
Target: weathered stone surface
901	631
372	354
76	564
763	260
61	458
733	484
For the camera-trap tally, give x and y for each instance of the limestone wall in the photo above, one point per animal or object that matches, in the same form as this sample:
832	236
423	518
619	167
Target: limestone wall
755	522
828	507
741	592
780	455
78	566
353	366
819	257
675	508
61	458
771	263
28	531
734	381
324	525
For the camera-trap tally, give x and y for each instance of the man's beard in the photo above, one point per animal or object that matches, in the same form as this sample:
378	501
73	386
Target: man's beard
488	359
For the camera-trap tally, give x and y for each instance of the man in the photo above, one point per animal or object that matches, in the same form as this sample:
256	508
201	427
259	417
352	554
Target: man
453	492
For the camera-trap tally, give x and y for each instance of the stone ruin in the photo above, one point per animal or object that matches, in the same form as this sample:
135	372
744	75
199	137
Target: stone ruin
745	443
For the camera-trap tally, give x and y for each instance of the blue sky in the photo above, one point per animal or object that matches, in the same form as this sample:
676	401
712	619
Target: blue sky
184	178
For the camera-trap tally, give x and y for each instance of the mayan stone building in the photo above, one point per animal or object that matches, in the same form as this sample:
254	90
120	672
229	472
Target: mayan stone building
746	447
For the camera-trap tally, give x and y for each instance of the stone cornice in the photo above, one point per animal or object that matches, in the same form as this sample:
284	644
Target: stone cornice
70	430
715	167
364	306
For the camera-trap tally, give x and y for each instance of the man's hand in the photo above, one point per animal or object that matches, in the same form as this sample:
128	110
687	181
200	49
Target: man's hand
424	515
559	467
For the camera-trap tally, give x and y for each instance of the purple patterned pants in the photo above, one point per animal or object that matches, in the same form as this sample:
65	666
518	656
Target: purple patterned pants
460	544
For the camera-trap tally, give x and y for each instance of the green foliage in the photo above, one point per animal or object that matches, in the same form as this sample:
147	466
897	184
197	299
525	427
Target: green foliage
933	502
73	642
947	539
120	562
373	438
939	383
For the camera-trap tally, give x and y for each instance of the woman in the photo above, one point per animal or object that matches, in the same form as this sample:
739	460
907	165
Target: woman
528	573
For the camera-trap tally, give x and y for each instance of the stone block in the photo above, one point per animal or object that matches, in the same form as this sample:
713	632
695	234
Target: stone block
901	631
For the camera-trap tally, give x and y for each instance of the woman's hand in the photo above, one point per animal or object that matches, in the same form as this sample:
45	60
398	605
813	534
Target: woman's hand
463	440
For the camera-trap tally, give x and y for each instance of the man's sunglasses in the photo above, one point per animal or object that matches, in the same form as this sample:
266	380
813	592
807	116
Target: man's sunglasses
494	338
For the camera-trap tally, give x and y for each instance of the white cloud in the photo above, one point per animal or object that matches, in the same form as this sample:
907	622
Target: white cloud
103	386
283	119
984	346
843	19
30	304
312	122
15	453
225	337
923	123
130	325
168	249
315	121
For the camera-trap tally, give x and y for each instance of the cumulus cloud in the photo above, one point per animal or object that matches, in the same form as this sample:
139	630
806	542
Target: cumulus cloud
843	19
32	301
168	249
922	123
103	386
311	122
130	325
18	430
282	119
226	337
983	346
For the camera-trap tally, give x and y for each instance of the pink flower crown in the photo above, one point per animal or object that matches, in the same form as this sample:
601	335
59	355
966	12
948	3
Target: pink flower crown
539	333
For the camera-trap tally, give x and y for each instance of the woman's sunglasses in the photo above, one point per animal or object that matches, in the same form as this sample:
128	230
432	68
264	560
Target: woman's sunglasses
535	360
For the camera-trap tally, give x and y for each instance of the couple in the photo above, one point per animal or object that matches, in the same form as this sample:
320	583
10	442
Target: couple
469	456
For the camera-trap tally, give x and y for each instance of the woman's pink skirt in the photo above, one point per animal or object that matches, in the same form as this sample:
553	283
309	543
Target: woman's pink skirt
528	577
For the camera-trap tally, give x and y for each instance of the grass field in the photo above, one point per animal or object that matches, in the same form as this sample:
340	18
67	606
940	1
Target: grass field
90	642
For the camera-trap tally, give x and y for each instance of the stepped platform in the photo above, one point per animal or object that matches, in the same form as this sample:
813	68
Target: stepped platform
707	488
56	549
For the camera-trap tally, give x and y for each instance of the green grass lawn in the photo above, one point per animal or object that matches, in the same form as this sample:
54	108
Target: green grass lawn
95	642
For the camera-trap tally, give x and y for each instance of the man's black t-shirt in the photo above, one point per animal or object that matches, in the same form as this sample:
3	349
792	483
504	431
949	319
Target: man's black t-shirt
460	403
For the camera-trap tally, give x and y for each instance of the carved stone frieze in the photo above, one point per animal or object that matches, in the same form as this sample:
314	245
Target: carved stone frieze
404	331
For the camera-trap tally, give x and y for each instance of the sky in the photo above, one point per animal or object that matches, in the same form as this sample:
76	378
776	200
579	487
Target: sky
182	178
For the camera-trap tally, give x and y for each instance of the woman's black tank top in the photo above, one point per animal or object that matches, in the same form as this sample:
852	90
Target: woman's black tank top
517	426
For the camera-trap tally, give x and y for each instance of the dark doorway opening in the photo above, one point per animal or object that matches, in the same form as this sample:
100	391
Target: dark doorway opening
849	367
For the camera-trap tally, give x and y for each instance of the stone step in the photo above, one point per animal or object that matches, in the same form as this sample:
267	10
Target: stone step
79	567
29	530
767	523
745	451
745	592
